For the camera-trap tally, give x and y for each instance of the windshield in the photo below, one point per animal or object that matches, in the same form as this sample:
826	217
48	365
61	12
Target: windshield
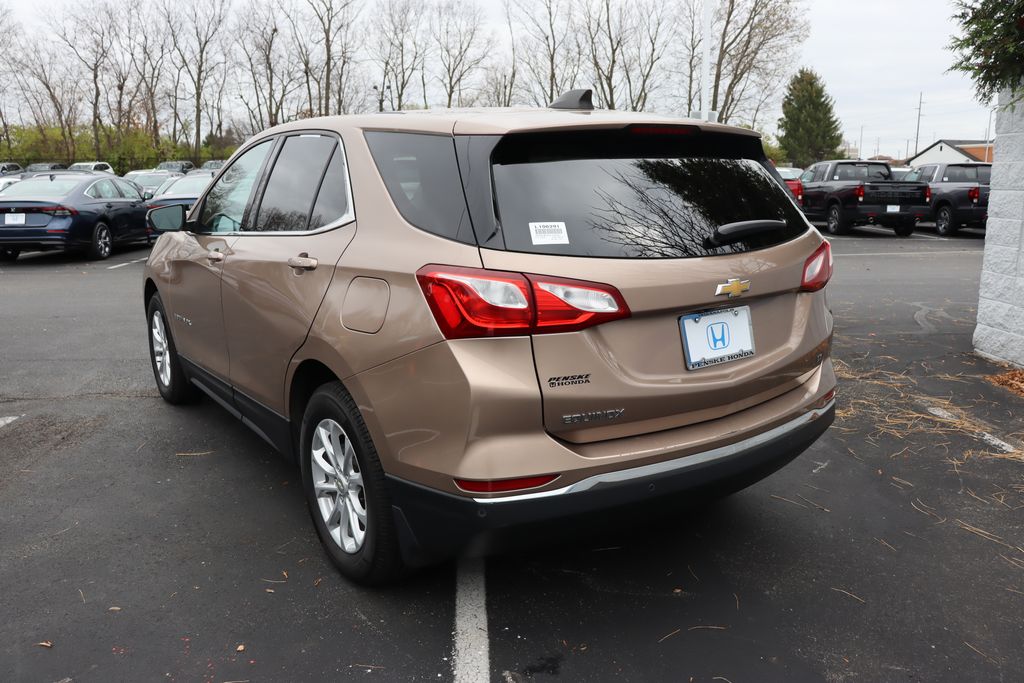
186	185
80	167
623	195
789	173
43	167
40	188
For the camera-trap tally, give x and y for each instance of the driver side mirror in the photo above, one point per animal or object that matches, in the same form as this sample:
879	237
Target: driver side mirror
166	218
147	195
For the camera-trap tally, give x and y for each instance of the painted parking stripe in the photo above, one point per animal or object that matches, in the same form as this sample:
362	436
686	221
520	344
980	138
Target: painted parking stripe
471	661
4	421
990	439
127	263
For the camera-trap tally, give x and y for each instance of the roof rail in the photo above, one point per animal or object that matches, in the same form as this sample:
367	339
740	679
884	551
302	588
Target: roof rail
574	99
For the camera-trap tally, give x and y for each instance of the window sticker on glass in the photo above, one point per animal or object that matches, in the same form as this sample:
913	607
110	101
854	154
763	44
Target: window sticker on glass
549	233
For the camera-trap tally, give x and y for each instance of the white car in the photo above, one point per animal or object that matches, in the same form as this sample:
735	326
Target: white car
91	166
7	181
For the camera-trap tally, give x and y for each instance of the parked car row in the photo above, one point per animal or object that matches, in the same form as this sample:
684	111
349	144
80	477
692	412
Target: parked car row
845	193
85	211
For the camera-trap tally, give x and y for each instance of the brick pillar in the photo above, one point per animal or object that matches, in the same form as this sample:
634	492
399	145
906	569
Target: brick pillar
1000	329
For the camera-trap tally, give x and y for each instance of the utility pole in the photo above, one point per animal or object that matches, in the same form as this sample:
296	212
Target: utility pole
860	145
917	135
906	156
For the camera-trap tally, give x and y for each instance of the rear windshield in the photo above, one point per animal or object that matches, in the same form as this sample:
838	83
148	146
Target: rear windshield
861	172
40	188
968	174
625	194
789	173
150	179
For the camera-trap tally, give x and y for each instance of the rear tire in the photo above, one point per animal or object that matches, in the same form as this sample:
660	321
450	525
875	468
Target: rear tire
102	242
346	490
9	254
170	377
836	223
944	224
904	229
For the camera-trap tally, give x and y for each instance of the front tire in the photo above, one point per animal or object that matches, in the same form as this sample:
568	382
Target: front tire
944	224
346	490
102	242
9	254
170	377
836	223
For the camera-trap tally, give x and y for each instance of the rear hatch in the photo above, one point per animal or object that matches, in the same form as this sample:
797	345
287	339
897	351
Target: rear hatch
22	214
33	202
712	330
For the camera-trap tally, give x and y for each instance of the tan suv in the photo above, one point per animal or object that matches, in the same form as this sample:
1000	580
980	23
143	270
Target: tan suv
462	322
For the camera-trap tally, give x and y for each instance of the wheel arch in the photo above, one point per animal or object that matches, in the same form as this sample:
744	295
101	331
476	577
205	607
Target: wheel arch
149	290
309	375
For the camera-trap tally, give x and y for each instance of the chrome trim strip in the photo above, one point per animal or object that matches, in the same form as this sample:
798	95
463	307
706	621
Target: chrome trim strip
668	466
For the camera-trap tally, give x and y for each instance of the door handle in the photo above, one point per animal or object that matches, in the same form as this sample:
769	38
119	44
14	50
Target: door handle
109	205
303	262
214	256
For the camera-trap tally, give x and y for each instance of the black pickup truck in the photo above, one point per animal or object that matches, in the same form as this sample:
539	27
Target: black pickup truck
845	193
959	194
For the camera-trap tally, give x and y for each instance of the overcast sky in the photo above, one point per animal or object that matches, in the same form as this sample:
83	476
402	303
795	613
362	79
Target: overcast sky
875	56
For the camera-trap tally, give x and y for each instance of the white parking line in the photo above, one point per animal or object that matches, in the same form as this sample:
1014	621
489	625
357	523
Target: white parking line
4	421
984	436
127	263
471	661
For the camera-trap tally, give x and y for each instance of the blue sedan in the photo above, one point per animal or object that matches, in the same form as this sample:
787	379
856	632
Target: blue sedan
81	212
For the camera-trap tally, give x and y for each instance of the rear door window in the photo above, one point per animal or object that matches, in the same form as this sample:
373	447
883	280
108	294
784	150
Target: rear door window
626	194
293	184
334	200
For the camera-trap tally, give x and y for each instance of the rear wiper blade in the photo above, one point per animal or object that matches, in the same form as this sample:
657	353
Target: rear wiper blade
730	233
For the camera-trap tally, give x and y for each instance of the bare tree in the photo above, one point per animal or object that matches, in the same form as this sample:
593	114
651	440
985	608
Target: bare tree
753	37
655	29
51	91
84	31
399	48
458	35
195	29
268	77
8	29
607	32
550	55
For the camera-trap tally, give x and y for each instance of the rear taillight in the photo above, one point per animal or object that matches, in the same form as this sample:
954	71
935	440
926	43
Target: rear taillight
799	192
973	194
504	485
859	193
817	268
927	194
474	302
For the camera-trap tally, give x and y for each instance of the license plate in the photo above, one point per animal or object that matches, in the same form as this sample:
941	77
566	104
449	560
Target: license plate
892	208
717	337
14	219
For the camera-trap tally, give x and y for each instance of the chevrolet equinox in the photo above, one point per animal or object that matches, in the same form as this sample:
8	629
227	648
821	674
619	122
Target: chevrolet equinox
463	322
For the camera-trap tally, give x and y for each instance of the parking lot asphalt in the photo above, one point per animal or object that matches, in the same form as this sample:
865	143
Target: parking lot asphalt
140	541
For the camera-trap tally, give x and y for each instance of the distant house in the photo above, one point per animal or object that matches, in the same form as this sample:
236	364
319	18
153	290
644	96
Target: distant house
952	152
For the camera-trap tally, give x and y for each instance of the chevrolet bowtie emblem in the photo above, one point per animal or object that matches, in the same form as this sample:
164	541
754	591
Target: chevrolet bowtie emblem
733	288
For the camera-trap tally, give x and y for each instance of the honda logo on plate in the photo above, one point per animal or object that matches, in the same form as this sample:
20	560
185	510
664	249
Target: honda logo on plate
718	336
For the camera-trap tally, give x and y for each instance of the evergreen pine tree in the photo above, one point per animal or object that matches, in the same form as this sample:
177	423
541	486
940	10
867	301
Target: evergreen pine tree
808	130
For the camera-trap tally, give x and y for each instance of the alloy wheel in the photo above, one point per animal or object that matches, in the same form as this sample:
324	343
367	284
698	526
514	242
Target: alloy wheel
161	355
338	484
103	241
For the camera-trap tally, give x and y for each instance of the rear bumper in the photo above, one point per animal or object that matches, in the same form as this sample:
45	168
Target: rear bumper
56	235
970	214
433	524
879	213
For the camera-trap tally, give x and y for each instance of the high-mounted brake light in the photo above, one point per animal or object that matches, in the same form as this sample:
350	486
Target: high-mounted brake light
504	485
973	193
817	268
475	302
859	193
662	130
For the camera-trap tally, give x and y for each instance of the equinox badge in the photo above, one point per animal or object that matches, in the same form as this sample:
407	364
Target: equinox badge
734	288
